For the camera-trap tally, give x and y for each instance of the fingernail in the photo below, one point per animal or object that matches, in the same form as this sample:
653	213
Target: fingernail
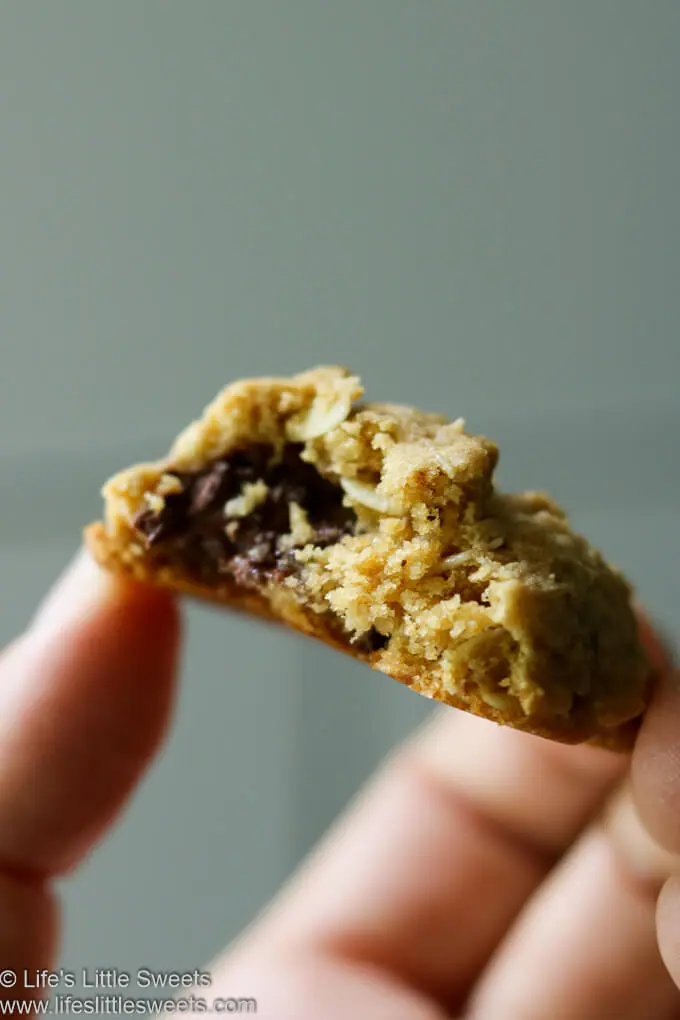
81	587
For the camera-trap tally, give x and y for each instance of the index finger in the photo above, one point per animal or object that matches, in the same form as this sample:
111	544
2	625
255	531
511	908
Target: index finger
85	696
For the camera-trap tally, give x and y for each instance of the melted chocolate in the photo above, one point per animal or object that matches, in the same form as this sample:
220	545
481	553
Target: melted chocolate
193	522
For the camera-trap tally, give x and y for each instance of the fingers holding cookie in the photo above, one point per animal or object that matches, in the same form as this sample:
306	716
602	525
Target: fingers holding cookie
84	698
586	943
438	856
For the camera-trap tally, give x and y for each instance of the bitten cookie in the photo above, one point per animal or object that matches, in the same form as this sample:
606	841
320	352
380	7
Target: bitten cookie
377	528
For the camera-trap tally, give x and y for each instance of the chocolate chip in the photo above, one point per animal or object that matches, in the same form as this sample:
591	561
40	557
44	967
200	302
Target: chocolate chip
210	488
216	547
371	641
149	523
159	525
193	525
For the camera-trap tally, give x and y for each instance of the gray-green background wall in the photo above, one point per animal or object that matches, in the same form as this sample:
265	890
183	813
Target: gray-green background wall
474	205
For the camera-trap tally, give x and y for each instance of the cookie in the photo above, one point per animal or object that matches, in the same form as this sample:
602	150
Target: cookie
377	528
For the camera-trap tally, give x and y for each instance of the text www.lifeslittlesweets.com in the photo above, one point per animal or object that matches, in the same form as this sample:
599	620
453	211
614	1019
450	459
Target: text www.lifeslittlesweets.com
119	1005
108	997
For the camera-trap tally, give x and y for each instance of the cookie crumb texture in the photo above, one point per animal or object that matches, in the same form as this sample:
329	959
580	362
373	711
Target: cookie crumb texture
377	528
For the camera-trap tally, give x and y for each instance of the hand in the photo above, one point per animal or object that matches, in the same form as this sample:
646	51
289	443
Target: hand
484	873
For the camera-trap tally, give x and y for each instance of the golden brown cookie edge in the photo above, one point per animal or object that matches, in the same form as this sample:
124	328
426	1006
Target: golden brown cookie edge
108	554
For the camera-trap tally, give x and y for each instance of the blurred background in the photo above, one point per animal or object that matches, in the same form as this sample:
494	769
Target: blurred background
474	206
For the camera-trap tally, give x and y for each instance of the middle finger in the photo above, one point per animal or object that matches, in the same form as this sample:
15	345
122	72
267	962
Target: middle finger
437	858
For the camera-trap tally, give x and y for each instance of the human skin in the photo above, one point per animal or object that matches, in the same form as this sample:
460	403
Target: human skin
482	873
